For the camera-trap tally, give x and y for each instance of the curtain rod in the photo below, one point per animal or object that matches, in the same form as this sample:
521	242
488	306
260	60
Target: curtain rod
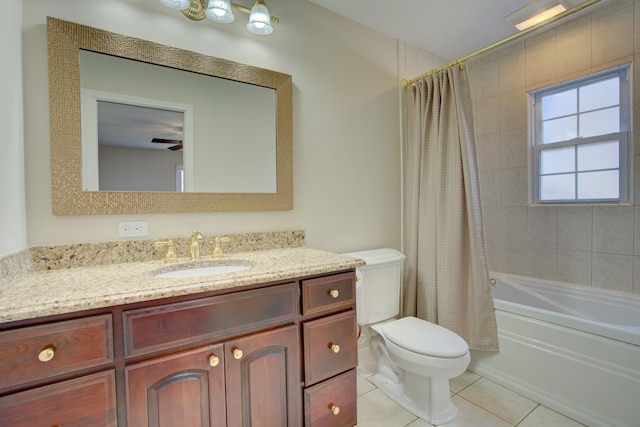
406	84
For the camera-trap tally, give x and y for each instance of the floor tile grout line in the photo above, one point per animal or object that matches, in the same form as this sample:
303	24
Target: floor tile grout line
526	416
468	385
489	411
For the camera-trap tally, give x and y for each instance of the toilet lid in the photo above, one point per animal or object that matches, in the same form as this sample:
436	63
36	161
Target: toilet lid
426	338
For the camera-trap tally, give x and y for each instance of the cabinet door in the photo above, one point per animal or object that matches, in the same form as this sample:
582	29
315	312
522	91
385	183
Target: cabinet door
185	389
263	385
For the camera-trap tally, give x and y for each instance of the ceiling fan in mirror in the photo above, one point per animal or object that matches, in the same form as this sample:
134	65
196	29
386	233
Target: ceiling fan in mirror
177	143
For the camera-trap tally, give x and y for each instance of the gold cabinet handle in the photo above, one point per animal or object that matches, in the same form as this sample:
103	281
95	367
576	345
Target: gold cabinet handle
237	354
334	347
214	360
335	410
334	293
47	354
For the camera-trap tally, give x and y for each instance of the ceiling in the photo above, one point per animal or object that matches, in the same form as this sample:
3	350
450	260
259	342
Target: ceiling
132	126
449	29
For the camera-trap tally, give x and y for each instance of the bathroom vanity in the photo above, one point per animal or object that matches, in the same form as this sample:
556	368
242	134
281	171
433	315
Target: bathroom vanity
228	351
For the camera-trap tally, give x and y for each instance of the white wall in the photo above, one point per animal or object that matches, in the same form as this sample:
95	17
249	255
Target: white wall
345	121
13	231
137	169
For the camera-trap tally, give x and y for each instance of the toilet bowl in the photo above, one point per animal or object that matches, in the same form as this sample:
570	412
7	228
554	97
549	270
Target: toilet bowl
415	359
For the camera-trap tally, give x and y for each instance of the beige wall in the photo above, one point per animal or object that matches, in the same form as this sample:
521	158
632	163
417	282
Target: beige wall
345	121
590	245
13	231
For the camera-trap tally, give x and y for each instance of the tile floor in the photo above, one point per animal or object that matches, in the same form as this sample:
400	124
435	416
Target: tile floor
481	403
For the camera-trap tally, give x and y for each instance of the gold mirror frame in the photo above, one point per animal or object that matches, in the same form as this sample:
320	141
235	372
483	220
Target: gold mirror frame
65	40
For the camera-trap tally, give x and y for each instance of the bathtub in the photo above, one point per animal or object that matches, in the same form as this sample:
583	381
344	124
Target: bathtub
574	349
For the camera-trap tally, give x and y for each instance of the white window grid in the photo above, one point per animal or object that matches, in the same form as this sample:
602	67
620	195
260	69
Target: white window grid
625	154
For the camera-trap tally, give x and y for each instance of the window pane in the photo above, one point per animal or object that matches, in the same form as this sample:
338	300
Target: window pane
559	129
559	104
601	155
599	95
598	185
557	160
558	187
601	122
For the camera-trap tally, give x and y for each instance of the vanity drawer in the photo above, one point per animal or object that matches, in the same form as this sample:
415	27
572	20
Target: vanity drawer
329	346
84	401
40	352
157	328
332	403
327	293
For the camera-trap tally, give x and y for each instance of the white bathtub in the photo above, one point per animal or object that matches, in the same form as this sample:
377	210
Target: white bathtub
574	349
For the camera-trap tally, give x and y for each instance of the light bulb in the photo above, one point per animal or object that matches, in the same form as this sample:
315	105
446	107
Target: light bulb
219	11
260	20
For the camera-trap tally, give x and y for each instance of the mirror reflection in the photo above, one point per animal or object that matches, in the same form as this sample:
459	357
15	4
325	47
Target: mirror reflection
139	148
136	138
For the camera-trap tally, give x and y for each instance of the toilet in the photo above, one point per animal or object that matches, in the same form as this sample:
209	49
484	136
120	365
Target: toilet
415	359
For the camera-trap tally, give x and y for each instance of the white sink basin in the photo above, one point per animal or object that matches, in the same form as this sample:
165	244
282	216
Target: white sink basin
202	271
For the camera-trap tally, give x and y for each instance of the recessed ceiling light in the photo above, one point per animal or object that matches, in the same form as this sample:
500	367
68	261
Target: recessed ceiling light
536	12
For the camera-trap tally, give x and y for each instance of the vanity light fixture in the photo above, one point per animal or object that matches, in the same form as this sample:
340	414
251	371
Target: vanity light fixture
539	11
259	19
176	4
221	11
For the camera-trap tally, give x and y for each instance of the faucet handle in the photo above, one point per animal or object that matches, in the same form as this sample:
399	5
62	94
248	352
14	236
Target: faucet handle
171	255
217	250
194	246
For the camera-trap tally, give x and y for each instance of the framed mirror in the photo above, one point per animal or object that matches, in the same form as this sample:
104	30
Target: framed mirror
68	41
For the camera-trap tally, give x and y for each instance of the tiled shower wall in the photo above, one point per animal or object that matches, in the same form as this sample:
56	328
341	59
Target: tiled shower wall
590	245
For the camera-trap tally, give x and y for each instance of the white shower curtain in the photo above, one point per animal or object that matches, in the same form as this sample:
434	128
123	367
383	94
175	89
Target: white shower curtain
447	278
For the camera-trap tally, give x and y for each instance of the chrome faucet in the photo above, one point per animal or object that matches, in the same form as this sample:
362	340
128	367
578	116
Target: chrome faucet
194	246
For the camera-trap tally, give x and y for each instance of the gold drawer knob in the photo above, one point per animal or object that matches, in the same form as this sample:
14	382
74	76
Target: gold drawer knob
214	360
335	348
237	354
335	410
334	293
47	354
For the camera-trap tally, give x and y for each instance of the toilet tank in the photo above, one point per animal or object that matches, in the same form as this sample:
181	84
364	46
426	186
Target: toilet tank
379	284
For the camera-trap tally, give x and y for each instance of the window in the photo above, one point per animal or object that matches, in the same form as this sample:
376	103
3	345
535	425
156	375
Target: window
580	139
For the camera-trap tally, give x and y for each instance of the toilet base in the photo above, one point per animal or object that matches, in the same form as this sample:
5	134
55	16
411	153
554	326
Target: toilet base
396	392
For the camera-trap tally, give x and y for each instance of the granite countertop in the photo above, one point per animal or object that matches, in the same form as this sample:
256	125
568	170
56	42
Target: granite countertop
63	291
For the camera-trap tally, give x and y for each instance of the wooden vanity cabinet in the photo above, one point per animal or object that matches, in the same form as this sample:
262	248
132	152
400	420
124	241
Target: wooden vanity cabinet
249	381
330	351
34	357
282	354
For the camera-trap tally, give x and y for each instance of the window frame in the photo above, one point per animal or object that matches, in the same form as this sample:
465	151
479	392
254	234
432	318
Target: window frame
622	136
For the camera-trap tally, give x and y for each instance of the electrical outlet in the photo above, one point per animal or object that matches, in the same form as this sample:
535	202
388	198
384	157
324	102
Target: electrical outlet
132	228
